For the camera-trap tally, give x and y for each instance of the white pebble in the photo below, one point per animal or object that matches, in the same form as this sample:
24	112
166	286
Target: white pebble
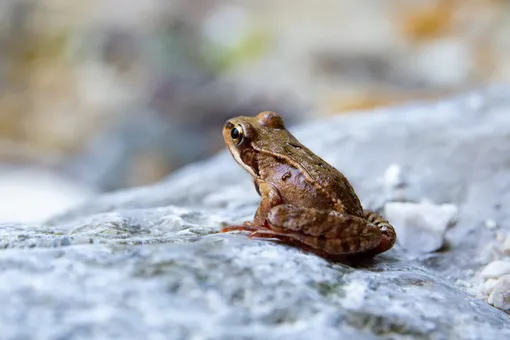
500	237
393	177
492	252
420	227
490	224
496	269
500	296
487	288
506	245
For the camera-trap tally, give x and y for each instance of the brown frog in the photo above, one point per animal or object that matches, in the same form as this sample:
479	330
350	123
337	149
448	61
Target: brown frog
305	201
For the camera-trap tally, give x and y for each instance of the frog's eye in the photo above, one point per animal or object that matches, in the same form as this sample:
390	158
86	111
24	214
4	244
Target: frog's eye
237	134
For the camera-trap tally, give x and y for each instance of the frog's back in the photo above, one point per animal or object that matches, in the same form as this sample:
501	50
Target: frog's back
324	177
333	183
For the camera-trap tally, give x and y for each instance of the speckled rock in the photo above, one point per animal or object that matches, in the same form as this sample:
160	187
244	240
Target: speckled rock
150	263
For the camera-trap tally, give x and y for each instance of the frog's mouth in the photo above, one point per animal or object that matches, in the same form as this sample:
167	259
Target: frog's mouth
237	157
239	148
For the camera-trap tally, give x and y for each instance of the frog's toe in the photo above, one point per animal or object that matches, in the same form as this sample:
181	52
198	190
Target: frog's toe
385	245
263	234
246	226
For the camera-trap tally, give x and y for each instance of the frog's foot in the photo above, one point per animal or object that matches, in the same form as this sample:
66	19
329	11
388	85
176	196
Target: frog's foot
267	233
246	226
330	232
389	236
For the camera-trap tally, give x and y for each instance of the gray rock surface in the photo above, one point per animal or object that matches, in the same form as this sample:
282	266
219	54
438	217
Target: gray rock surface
149	262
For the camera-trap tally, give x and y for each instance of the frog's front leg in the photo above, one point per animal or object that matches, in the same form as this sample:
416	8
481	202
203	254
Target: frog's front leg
328	232
270	198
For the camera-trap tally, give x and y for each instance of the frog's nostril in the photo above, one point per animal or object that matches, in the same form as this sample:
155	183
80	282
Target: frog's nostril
229	125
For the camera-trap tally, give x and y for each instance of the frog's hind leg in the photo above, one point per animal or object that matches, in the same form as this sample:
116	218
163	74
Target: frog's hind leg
327	231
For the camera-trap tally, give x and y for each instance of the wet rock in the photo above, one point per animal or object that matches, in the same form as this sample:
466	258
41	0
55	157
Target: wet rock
150	262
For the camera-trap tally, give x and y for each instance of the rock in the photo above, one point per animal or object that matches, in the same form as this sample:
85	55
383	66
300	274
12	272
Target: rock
490	224
496	288
393	182
393	177
496	269
487	288
421	227
492	252
506	245
150	262
500	295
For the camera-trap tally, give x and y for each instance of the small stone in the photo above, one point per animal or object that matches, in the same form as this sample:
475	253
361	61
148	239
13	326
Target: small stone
500	237
496	269
81	239
393	177
420	227
492	252
506	245
65	241
500	296
490	224
487	288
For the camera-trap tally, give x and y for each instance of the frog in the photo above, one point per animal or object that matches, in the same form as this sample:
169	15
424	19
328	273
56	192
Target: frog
305	202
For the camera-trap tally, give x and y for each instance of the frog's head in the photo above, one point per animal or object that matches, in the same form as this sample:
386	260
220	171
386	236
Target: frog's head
245	136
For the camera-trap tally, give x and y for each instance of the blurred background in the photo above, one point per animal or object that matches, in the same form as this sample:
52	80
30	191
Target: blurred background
100	95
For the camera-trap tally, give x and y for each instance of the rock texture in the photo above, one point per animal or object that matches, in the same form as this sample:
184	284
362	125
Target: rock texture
149	262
